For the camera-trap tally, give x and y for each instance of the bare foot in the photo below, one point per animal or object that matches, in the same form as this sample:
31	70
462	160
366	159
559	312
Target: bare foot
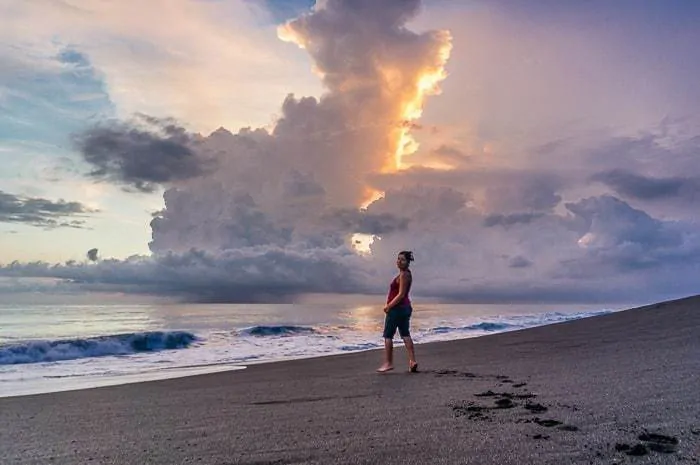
413	367
384	368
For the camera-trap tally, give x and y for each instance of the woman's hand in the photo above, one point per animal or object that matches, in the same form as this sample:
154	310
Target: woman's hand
386	309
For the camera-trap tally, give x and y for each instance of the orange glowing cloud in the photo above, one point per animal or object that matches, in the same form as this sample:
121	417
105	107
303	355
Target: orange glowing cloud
397	81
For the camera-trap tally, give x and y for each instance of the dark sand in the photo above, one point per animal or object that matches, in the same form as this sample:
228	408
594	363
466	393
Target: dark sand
576	392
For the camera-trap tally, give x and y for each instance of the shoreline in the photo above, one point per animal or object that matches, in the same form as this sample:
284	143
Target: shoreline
581	391
86	382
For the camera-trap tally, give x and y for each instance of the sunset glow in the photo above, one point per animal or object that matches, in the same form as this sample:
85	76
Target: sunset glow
428	84
268	147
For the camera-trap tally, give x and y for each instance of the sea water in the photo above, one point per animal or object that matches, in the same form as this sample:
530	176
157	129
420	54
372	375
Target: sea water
48	348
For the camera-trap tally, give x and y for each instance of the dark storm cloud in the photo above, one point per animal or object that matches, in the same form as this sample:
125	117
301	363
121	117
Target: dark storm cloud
35	211
510	220
246	275
519	262
636	186
140	157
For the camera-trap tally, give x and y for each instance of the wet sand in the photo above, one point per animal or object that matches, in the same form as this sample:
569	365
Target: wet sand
619	388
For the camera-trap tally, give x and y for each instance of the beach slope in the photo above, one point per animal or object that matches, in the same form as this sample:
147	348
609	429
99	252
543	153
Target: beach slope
617	388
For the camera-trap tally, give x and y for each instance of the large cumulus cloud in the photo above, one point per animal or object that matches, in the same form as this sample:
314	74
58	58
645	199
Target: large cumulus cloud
302	182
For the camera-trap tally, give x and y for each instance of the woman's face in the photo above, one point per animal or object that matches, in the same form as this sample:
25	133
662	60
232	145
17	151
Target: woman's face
401	262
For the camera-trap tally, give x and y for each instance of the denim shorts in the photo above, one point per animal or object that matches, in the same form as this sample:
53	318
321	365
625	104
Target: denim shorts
399	318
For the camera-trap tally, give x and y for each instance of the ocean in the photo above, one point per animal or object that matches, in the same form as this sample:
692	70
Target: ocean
49	348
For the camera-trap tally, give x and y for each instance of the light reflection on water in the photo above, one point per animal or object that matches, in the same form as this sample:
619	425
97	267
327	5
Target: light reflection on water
22	322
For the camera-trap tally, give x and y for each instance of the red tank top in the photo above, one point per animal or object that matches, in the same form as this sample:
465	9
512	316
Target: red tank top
394	291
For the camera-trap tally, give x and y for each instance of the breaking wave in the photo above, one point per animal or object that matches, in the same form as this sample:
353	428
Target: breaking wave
282	330
71	349
515	322
485	326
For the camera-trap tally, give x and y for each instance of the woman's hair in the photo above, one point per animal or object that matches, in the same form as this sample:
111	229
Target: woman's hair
408	254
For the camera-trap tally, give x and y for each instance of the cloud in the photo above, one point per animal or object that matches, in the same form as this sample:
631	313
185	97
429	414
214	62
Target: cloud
669	146
40	212
620	239
450	155
358	221
604	250
510	220
142	158
655	170
635	186
601	246
520	262
297	183
610	222
493	189
205	63
296	187
255	274
43	105
539	125
522	71
538	193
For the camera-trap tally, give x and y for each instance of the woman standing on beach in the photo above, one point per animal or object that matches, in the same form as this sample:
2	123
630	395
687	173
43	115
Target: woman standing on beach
398	314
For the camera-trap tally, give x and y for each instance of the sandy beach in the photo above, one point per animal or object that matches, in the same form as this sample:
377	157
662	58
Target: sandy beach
618	388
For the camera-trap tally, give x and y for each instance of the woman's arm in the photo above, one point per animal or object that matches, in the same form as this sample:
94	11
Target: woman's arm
404	279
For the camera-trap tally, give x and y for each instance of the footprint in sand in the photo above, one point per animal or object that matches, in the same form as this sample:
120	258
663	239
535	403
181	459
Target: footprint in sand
636	451
505	403
470	410
527	395
659	442
535	408
454	373
650	442
547	423
505	395
568	428
445	372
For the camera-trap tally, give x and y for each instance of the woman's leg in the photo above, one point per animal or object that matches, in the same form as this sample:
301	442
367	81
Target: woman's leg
411	351
388	352
405	333
388	364
388	335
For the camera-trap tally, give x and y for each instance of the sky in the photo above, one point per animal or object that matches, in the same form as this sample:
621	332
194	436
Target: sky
258	150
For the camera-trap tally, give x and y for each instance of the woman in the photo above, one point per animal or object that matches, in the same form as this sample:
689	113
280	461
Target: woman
398	314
